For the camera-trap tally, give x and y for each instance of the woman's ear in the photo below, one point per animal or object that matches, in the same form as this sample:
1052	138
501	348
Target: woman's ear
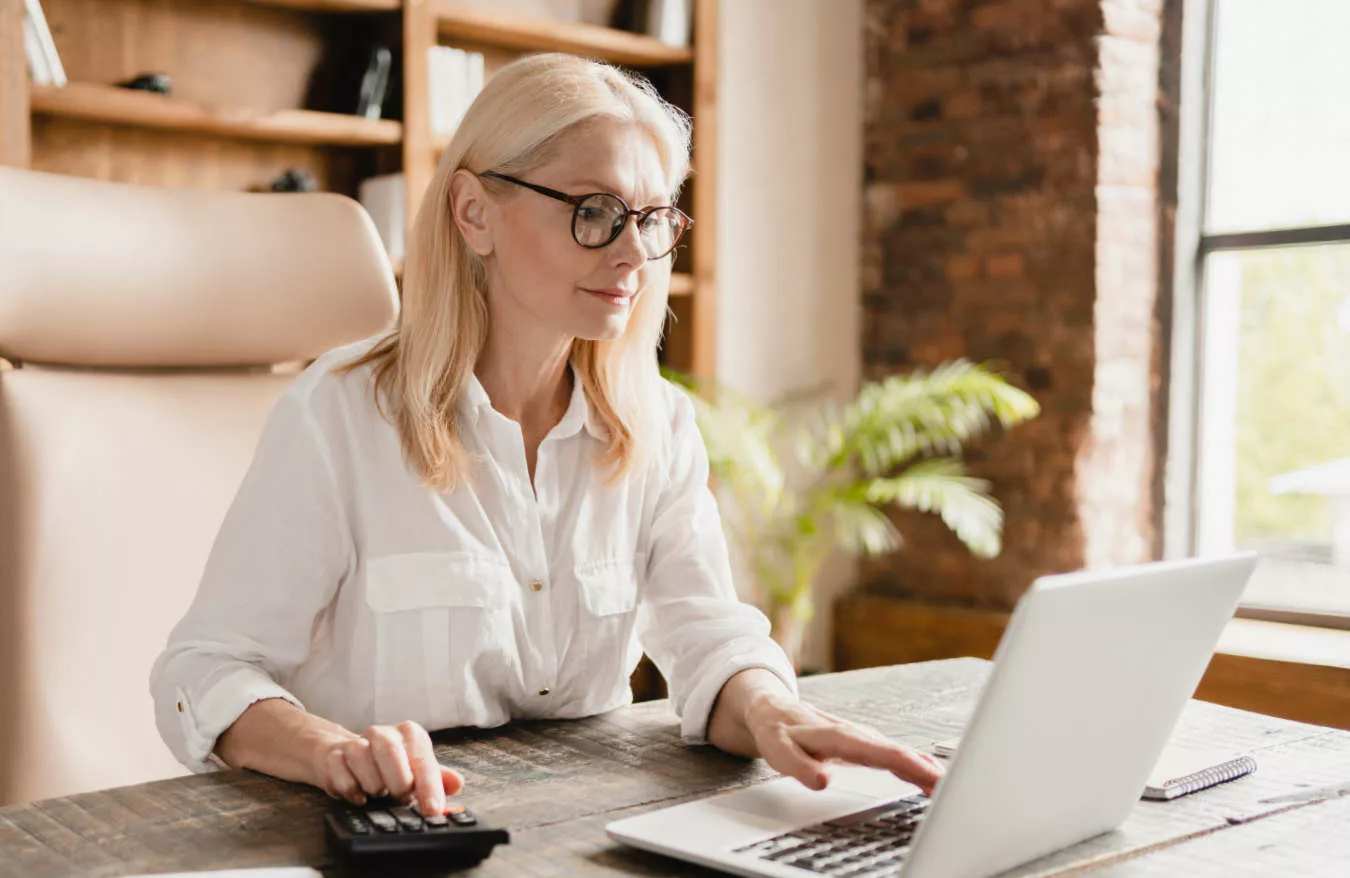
469	207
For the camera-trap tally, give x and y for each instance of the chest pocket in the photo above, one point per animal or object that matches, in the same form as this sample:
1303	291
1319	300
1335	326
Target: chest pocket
609	595
442	636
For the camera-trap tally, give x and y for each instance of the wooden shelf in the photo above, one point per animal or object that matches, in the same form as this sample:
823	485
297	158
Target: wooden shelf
120	106
334	5
513	31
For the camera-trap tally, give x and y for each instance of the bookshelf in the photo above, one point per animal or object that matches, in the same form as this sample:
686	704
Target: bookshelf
244	75
242	109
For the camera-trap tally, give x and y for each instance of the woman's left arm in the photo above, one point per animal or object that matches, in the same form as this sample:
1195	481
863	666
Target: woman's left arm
755	716
731	684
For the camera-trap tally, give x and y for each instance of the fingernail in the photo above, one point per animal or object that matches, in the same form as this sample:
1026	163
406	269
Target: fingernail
822	780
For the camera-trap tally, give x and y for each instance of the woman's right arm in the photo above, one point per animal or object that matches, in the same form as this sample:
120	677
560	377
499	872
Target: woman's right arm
281	554
277	738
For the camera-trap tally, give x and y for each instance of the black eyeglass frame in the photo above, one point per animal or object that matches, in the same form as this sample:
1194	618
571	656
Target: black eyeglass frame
577	200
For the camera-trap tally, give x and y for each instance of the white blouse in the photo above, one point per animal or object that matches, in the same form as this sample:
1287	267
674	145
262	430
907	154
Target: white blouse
341	584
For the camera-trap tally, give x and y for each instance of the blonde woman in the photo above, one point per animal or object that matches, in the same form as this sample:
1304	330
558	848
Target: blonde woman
491	512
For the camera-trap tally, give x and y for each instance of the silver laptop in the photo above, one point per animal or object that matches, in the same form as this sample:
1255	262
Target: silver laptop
1088	681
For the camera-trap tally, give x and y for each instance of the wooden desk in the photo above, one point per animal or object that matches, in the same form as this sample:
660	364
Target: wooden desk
556	784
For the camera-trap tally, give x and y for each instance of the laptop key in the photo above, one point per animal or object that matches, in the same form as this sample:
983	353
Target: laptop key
879	812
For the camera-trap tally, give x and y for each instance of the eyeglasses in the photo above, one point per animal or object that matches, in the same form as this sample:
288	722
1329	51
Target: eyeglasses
600	217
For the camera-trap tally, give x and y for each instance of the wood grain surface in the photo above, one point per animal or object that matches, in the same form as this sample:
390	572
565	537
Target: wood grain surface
556	784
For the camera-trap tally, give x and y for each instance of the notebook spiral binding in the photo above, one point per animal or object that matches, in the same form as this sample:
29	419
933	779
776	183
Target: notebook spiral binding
1231	770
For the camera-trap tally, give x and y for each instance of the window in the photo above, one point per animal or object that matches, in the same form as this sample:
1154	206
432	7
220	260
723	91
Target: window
1269	464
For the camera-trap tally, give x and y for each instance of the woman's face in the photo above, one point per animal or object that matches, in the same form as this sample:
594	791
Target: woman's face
540	280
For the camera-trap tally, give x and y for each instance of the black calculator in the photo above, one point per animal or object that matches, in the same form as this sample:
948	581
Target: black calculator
384	828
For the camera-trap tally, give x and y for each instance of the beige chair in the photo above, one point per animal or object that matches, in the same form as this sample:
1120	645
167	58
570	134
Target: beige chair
142	330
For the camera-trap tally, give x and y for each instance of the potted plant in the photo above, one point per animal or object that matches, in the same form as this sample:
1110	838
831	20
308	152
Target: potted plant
898	443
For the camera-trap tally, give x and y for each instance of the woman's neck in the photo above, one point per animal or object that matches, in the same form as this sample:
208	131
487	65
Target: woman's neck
532	388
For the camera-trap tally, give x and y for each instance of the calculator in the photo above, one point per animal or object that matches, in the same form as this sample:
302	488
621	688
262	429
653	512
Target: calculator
386	828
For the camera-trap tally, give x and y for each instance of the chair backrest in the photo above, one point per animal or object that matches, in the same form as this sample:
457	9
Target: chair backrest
147	333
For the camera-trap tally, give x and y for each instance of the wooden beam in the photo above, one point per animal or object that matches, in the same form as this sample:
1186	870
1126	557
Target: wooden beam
15	124
419	157
704	303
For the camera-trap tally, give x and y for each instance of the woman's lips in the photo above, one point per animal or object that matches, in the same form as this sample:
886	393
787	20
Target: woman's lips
618	298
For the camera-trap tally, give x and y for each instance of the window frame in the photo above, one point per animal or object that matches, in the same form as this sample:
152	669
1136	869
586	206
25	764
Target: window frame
1193	246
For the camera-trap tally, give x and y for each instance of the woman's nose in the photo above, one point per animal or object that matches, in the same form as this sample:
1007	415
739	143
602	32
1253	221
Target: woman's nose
627	248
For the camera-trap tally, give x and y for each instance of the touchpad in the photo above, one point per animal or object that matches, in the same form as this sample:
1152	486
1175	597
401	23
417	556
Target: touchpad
787	800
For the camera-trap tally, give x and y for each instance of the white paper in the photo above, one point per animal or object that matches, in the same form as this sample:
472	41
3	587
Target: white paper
272	871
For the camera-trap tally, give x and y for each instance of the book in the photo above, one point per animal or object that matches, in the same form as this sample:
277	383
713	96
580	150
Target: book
38	36
455	78
383	198
1181	769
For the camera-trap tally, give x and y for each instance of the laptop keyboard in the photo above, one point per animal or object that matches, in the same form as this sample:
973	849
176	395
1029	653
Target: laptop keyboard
862	845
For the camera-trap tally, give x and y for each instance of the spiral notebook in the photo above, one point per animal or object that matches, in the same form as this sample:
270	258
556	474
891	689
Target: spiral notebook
1180	770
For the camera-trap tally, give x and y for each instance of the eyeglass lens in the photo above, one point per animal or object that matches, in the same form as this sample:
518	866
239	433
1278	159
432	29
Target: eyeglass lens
600	219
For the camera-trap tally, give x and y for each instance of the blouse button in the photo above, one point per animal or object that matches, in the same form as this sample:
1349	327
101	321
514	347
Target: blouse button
544	691
537	585
180	707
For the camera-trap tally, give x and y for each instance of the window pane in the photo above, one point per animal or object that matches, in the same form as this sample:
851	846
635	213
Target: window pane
1274	464
1280	132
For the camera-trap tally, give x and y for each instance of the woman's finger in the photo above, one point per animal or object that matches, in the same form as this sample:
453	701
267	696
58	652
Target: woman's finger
392	759
428	788
339	782
361	762
842	742
452	781
785	756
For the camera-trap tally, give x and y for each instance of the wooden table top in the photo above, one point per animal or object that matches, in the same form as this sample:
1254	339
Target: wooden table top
556	784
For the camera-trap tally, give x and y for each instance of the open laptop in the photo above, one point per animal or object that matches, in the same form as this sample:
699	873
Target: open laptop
1088	681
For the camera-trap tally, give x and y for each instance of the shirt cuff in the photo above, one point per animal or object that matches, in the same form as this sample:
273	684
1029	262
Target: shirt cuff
218	708
725	663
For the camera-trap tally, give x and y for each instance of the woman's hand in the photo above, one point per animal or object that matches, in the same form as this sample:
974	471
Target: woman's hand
798	740
756	715
396	761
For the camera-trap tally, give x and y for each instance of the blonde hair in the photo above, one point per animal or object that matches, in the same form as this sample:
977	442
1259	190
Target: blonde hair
421	368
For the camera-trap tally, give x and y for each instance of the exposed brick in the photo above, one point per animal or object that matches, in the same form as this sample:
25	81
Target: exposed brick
1012	155
919	194
962	267
1004	265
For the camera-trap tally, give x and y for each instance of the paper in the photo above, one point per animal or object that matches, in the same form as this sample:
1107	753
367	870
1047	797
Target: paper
270	871
1178	761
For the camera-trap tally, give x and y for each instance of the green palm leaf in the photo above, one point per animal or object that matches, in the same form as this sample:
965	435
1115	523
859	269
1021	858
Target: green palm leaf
901	417
941	485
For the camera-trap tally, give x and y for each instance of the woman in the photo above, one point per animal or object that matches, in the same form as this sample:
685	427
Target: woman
491	512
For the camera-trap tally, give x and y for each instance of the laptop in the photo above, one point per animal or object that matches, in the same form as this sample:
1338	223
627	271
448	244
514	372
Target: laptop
1089	679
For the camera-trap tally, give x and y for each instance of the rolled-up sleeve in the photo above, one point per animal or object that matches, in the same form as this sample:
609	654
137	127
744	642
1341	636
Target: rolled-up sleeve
277	561
690	620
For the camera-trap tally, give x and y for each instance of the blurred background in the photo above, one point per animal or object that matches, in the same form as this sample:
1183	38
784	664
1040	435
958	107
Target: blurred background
1136	212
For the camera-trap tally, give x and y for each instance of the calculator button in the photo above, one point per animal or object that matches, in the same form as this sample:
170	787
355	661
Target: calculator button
383	821
436	821
463	817
407	818
355	823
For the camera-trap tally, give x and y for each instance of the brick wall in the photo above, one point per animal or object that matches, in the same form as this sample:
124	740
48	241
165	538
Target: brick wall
1012	215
